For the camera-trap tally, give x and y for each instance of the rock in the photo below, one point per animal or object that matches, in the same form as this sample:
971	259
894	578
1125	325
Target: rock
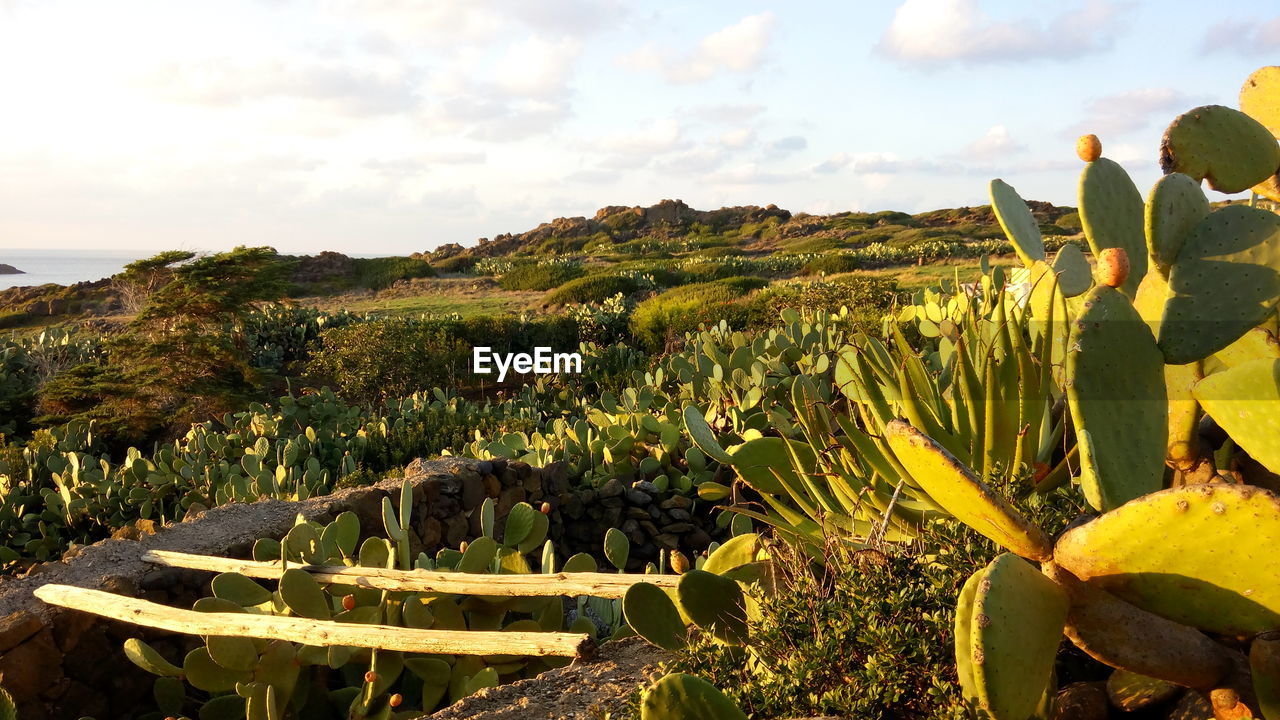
636	497
635	513
667	541
492	486
676	502
697	540
10	270
612	488
1081	701
646	487
678	528
16	627
473	492
679	515
31	667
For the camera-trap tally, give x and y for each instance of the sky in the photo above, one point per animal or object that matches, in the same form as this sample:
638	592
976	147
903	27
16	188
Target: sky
392	126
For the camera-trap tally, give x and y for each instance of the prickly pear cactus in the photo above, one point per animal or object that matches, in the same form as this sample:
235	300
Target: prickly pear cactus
1018	223
1118	399
1174	208
1224	283
1201	555
1014	630
1243	401
1260	98
1228	148
651	613
955	487
1111	213
1072	270
685	697
1264	666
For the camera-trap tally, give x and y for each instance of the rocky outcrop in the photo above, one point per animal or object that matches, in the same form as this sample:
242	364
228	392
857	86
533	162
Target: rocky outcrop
10	270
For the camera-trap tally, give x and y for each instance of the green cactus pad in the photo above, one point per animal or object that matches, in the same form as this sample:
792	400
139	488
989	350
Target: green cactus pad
964	636
1075	277
617	548
1118	400
1264	666
520	522
734	553
686	697
239	589
715	604
204	674
1111	213
1243	401
303	595
1018	616
1158	553
478	555
146	657
1174	208
582	562
758	459
1231	150
233	653
1130	691
650	612
1018	223
1224	283
957	490
703	436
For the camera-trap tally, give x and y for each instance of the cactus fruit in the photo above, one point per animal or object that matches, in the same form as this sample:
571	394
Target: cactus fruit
1015	627
1018	223
715	604
652	614
1164	553
685	697
957	490
1088	148
1113	267
1118	399
1174	208
1228	148
1223	284
1111	213
1260	99
1264	666
1243	401
1122	635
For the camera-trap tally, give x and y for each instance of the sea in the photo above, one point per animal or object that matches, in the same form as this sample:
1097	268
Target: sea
64	267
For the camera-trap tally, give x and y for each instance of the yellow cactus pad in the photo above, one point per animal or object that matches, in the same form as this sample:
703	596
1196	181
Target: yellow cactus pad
1201	555
1260	97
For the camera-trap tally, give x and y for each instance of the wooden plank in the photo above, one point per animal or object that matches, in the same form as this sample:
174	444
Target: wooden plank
323	633
604	585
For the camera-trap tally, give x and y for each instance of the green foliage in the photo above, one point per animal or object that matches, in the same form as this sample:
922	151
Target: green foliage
592	289
543	275
680	310
378	273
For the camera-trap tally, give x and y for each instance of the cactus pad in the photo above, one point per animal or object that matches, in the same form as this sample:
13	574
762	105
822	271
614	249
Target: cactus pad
1174	208
715	604
1017	621
1264	666
685	697
1018	223
303	595
651	613
147	658
964	636
1260	99
703	436
1243	401
1118	401
1224	283
955	487
1111	213
1072	270
1159	553
1231	150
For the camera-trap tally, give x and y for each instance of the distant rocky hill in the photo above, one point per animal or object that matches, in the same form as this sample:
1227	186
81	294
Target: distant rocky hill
10	270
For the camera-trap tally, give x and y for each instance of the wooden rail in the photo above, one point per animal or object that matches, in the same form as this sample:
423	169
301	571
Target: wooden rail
316	632
604	585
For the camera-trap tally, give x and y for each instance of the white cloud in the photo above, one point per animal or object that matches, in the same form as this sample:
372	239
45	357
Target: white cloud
652	138
738	48
835	163
783	147
939	32
996	145
1130	111
535	67
738	138
1244	37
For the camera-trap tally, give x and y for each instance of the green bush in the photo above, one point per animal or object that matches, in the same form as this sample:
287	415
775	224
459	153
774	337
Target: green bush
592	289
540	276
1071	222
670	315
832	264
378	273
868	298
455	264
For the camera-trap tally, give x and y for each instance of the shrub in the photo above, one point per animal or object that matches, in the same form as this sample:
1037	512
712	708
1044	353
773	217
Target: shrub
832	264
387	358
1070	222
867	298
455	264
670	315
592	289
540	276
378	273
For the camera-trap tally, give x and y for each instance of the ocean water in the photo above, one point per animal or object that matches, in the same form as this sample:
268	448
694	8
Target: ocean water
65	267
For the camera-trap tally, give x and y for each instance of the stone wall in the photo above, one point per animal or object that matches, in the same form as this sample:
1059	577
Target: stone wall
63	664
